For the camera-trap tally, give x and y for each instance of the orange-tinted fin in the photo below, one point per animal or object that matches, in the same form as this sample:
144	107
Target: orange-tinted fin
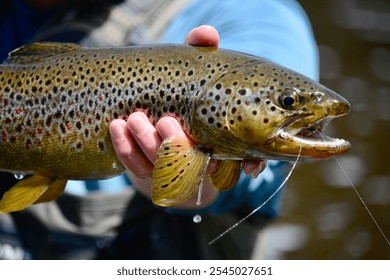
24	193
53	192
178	172
225	175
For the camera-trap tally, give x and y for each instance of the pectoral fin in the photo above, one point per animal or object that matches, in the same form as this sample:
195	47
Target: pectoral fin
32	190
178	172
225	175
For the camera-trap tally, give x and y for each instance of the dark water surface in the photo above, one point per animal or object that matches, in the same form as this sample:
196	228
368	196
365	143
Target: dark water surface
322	217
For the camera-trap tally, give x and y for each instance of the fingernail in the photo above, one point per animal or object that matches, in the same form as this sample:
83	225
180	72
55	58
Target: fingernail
258	169
167	128
137	125
116	130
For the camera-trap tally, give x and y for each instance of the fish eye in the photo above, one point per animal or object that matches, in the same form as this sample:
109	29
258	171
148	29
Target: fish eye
289	100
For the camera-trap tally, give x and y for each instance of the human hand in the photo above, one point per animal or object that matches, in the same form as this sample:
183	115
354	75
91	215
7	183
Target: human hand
136	141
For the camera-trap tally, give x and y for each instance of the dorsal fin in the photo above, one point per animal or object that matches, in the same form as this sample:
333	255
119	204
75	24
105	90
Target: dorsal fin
39	52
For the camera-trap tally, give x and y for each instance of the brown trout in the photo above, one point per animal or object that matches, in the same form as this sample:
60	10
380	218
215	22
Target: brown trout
57	100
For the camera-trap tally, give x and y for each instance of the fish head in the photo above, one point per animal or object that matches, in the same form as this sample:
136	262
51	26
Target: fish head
276	113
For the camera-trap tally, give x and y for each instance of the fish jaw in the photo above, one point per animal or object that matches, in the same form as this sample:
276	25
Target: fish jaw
303	135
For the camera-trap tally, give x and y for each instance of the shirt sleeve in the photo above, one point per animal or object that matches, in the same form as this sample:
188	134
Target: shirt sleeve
277	30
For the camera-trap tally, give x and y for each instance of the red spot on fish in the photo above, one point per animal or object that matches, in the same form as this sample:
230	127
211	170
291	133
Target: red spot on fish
19	111
4	136
39	131
107	119
101	97
69	126
89	120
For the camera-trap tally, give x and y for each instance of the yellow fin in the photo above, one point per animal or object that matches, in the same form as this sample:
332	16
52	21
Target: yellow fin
225	175
53	192
24	193
39	52
178	172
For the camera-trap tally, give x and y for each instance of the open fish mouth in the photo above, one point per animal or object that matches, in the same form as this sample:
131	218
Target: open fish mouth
313	135
309	140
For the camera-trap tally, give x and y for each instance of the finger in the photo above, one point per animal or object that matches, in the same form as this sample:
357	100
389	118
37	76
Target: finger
128	151
254	167
145	134
205	35
169	127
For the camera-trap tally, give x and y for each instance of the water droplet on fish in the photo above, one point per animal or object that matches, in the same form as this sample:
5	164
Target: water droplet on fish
19	176
197	219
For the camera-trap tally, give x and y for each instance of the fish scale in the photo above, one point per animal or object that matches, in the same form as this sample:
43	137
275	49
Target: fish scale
57	101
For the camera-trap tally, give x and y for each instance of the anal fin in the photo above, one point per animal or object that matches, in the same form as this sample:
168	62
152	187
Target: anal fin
29	191
178	172
53	192
225	175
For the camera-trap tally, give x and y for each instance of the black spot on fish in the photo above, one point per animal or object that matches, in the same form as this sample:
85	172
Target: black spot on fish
102	146
242	91
62	127
28	143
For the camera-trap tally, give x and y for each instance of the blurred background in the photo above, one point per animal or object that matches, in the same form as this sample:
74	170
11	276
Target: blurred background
322	216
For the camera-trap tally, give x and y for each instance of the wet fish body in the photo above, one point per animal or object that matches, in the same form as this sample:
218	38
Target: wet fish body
57	100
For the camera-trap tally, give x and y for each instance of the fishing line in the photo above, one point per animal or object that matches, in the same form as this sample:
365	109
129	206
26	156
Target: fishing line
264	203
361	199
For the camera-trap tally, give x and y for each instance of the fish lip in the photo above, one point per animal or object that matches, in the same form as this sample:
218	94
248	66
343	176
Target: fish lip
308	141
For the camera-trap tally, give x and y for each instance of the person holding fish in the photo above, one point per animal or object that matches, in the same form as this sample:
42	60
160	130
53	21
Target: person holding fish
107	219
